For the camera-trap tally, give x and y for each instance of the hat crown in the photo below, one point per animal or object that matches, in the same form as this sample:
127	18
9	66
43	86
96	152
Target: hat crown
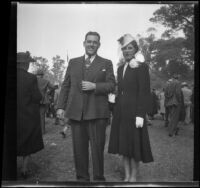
126	39
24	57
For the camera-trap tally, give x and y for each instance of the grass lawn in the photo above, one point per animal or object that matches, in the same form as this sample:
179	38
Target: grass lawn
173	157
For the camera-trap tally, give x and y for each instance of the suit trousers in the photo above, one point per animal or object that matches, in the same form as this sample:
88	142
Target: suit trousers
174	116
83	132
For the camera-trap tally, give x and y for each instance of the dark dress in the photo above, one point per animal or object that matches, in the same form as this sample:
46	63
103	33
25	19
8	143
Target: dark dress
132	101
29	133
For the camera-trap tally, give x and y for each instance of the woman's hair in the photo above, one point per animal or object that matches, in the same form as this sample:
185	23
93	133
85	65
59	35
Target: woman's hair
135	45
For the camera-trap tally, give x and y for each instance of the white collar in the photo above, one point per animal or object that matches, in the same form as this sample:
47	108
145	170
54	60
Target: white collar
91	58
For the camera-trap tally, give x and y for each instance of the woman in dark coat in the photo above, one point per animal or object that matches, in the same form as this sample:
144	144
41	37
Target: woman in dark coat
29	133
129	136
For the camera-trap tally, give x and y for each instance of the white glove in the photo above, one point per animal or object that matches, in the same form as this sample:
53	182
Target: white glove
111	98
139	122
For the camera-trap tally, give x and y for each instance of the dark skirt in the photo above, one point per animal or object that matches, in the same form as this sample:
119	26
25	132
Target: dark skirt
29	133
127	140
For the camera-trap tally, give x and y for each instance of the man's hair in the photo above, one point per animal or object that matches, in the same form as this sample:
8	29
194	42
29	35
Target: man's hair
92	33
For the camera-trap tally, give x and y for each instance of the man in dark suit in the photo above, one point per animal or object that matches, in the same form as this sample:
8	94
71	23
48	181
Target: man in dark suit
174	103
84	97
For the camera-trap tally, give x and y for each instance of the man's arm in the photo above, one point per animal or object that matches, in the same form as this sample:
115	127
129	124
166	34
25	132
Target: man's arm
63	96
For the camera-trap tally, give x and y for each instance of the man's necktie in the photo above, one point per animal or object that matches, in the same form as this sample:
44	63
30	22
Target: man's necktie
125	67
87	62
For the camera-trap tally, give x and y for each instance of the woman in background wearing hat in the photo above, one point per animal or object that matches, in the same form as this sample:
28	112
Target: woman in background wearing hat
29	133
129	135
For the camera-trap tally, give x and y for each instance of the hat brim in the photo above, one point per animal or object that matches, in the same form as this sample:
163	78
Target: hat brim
128	42
26	60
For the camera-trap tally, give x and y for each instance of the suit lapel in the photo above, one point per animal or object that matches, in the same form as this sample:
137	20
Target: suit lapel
78	68
94	68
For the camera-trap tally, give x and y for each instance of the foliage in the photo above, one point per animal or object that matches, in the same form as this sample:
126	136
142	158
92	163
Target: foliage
177	17
58	68
41	63
55	74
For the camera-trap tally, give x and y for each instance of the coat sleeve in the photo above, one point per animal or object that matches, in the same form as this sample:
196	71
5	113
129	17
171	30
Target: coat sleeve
143	91
36	96
109	85
63	96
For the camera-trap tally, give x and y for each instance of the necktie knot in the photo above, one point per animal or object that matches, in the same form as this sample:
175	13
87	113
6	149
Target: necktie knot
87	62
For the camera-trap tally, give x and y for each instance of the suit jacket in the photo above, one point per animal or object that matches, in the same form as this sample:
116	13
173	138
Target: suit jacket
133	98
173	94
87	104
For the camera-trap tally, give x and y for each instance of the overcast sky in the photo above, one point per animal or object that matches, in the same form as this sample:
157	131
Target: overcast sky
48	30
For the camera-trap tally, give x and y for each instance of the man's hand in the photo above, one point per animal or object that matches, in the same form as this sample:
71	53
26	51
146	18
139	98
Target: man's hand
139	122
60	113
86	86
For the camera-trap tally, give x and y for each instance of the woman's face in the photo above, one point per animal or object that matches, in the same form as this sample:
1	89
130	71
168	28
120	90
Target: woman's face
128	52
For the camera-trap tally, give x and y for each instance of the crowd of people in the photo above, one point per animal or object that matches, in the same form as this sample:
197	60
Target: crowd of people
89	99
174	104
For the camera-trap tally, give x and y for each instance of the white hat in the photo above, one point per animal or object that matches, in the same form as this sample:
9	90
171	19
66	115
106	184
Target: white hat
126	39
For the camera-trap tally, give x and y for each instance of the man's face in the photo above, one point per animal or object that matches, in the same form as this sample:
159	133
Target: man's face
128	52
91	44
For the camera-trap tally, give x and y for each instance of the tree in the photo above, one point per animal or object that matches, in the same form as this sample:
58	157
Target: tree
177	17
146	44
57	69
41	63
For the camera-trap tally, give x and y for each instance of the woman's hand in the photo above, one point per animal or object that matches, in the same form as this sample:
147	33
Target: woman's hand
139	122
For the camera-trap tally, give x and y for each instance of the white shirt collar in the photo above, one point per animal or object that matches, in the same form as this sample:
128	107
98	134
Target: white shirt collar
92	57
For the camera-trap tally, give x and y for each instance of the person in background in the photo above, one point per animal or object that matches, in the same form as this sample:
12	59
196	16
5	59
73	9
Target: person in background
173	102
84	100
166	107
192	106
56	96
43	85
129	135
51	93
29	133
187	102
162	105
154	104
